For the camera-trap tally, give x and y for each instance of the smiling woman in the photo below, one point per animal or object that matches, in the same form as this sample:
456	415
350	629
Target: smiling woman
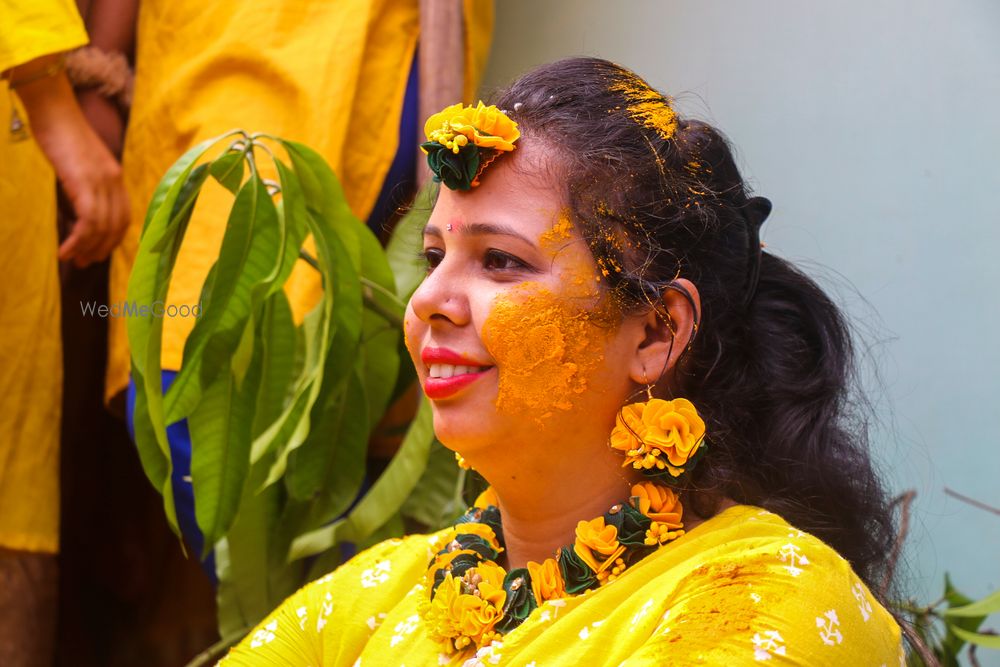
658	405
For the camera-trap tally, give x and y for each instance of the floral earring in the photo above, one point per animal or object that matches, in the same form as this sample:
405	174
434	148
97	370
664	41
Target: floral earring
664	439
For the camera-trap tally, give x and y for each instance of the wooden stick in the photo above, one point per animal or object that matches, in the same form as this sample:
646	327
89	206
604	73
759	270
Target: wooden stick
441	65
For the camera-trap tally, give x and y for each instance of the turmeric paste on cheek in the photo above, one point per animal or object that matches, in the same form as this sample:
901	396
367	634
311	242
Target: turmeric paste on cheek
546	349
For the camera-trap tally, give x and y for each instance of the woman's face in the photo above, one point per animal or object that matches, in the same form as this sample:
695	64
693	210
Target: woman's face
510	334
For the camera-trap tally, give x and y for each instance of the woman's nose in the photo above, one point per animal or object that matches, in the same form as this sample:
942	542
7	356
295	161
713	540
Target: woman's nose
442	298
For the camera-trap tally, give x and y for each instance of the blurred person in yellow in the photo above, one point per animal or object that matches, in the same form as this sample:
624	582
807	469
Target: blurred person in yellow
45	132
341	77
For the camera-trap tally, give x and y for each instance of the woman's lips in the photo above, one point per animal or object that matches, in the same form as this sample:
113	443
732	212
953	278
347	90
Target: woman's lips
444	362
439	388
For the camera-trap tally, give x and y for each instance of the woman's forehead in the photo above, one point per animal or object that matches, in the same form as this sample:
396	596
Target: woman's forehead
517	194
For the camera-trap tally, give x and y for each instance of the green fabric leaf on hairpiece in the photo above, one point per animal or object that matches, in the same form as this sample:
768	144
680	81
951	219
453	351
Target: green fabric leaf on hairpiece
455	170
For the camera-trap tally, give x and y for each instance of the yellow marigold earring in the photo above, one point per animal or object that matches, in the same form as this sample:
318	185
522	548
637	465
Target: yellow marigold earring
661	438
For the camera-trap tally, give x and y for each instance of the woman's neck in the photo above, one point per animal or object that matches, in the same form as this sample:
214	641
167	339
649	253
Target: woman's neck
540	512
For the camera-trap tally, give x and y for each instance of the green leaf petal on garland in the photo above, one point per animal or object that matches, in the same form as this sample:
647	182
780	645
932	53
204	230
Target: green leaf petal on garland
520	600
631	524
459	566
576	574
455	170
489	516
477	544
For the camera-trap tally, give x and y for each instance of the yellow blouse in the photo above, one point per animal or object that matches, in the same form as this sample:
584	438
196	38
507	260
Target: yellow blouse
743	587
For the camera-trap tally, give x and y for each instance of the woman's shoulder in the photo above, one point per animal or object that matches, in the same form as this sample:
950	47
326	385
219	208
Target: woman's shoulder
774	589
761	548
751	534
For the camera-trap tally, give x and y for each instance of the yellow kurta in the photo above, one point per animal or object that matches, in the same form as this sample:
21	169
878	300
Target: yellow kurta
31	349
329	74
739	589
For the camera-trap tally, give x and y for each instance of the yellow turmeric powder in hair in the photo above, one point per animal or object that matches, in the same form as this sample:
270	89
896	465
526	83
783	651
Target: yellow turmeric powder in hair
646	106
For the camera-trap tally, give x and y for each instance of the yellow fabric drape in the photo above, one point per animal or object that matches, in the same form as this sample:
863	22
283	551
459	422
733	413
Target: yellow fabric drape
741	588
31	353
329	74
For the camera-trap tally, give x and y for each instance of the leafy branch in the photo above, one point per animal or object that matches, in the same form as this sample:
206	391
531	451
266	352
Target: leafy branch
280	405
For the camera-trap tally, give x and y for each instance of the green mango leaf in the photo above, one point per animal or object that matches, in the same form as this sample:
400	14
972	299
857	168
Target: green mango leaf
327	339
404	250
276	331
988	605
952	643
155	462
385	496
436	500
253	577
180	215
324	196
228	170
406	377
294	225
179	171
228	612
220	429
380	335
986	641
249	252
330	465
308	355
148	285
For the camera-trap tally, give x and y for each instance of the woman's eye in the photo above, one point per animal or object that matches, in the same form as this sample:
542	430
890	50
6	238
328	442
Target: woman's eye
497	260
433	257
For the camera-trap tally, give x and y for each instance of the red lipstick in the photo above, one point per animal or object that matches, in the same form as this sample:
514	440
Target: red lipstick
438	388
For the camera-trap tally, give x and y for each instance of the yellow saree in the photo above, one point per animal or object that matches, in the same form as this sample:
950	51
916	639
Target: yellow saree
743	587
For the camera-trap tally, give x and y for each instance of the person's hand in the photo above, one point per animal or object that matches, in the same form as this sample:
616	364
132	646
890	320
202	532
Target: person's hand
89	174
92	180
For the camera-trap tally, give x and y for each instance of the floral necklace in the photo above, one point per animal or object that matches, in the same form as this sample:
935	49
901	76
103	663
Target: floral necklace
474	601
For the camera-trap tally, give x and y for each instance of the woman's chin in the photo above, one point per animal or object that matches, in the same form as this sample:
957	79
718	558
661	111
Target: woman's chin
460	435
468	432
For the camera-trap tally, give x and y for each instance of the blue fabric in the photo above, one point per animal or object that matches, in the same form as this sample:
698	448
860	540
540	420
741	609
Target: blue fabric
401	179
180	479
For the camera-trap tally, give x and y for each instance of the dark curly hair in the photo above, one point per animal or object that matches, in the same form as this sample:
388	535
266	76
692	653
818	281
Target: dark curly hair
771	365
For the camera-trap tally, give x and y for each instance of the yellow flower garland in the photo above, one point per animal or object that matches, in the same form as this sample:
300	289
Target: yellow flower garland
473	601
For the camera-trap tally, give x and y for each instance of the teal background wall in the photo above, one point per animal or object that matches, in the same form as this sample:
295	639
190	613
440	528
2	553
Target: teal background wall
874	127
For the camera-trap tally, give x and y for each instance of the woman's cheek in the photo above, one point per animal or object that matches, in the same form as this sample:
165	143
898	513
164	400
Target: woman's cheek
546	349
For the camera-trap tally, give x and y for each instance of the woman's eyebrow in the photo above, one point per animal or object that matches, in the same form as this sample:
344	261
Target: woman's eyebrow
480	229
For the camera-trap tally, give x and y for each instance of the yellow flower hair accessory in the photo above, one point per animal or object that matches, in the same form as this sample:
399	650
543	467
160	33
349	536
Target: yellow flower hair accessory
659	436
463	140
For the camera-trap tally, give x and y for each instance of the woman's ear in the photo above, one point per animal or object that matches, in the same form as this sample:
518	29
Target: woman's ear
667	331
